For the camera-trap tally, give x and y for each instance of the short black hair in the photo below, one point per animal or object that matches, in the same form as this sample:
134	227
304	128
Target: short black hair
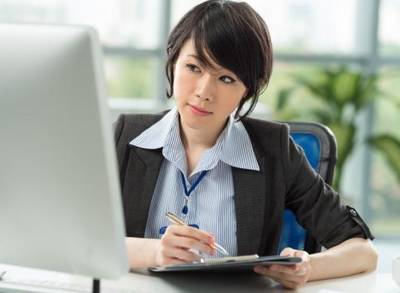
234	36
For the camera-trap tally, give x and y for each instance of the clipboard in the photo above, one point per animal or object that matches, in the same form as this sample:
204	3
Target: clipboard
234	263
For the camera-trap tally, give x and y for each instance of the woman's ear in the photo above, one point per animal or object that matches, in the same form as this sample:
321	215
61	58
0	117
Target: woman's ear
245	94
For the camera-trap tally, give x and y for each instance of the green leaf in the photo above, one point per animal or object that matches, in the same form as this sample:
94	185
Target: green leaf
345	136
324	116
345	86
389	146
283	98
314	87
367	90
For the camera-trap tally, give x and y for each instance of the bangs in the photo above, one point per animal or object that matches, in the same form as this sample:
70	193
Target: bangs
215	43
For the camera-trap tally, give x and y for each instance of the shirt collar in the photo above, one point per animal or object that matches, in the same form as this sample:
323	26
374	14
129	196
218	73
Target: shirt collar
234	144
156	135
237	150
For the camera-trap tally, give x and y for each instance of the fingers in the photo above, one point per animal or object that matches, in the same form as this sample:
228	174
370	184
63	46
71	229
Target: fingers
291	276
289	271
295	270
281	271
191	232
173	261
180	254
190	243
305	259
287	280
293	252
190	238
179	245
288	252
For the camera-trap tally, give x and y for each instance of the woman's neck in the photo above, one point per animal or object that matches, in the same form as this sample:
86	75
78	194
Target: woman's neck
196	141
199	138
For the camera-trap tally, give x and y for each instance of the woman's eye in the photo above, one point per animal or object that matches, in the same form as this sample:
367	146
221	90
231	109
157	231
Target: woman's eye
193	67
227	79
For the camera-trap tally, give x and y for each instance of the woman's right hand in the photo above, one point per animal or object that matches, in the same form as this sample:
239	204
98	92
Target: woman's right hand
178	243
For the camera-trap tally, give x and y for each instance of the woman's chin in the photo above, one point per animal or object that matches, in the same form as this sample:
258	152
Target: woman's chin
194	123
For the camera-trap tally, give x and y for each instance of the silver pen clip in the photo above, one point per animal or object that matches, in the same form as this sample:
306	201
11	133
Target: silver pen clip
2	275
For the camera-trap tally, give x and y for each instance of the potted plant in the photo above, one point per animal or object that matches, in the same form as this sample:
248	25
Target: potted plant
342	93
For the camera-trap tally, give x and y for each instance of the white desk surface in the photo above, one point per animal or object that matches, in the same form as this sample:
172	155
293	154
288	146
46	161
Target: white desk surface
143	281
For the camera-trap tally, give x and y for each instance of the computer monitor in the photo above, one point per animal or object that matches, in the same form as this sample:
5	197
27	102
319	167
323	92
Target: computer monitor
60	205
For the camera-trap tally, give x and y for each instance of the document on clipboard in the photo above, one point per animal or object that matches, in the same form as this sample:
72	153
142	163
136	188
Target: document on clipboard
230	263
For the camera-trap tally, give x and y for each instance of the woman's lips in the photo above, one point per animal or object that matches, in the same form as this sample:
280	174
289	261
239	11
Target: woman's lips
199	111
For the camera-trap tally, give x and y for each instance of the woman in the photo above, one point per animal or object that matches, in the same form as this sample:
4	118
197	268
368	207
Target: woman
230	177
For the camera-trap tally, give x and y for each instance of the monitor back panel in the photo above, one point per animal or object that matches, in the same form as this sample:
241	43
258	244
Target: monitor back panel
60	203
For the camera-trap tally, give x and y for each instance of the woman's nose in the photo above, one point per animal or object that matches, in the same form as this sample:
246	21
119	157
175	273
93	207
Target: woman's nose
206	87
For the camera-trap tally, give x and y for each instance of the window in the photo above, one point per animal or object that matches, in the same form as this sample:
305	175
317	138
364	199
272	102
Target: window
389	36
306	26
301	26
385	189
283	78
120	25
130	77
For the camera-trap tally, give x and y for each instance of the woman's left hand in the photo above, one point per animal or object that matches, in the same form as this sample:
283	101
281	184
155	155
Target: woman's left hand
290	276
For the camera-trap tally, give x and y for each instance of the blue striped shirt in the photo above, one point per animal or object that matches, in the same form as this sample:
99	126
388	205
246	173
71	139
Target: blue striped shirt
211	205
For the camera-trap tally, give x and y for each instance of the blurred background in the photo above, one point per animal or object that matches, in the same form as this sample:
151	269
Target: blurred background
336	62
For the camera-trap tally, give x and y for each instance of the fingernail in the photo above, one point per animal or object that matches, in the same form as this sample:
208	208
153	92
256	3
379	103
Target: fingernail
258	269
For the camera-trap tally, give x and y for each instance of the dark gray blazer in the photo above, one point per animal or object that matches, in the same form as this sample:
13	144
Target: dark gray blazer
285	180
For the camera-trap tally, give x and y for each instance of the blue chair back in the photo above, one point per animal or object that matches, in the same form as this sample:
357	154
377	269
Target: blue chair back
319	145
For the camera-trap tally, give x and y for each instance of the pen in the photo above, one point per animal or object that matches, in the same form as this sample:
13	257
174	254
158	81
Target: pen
176	220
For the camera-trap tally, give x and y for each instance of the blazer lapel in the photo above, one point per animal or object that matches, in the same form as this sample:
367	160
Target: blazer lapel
137	197
250	201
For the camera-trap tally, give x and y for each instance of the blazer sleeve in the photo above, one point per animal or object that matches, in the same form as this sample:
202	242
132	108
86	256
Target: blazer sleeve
318	208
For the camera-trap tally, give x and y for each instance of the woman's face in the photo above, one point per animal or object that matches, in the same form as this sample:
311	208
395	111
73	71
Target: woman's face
205	97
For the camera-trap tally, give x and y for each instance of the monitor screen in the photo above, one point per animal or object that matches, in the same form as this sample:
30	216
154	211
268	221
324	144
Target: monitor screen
60	205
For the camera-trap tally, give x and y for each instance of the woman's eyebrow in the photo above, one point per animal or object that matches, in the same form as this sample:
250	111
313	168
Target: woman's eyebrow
199	60
216	68
195	57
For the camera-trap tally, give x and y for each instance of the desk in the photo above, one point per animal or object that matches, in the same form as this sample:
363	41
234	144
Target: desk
143	281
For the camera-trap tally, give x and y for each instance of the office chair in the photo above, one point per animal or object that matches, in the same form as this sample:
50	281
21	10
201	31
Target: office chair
319	145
